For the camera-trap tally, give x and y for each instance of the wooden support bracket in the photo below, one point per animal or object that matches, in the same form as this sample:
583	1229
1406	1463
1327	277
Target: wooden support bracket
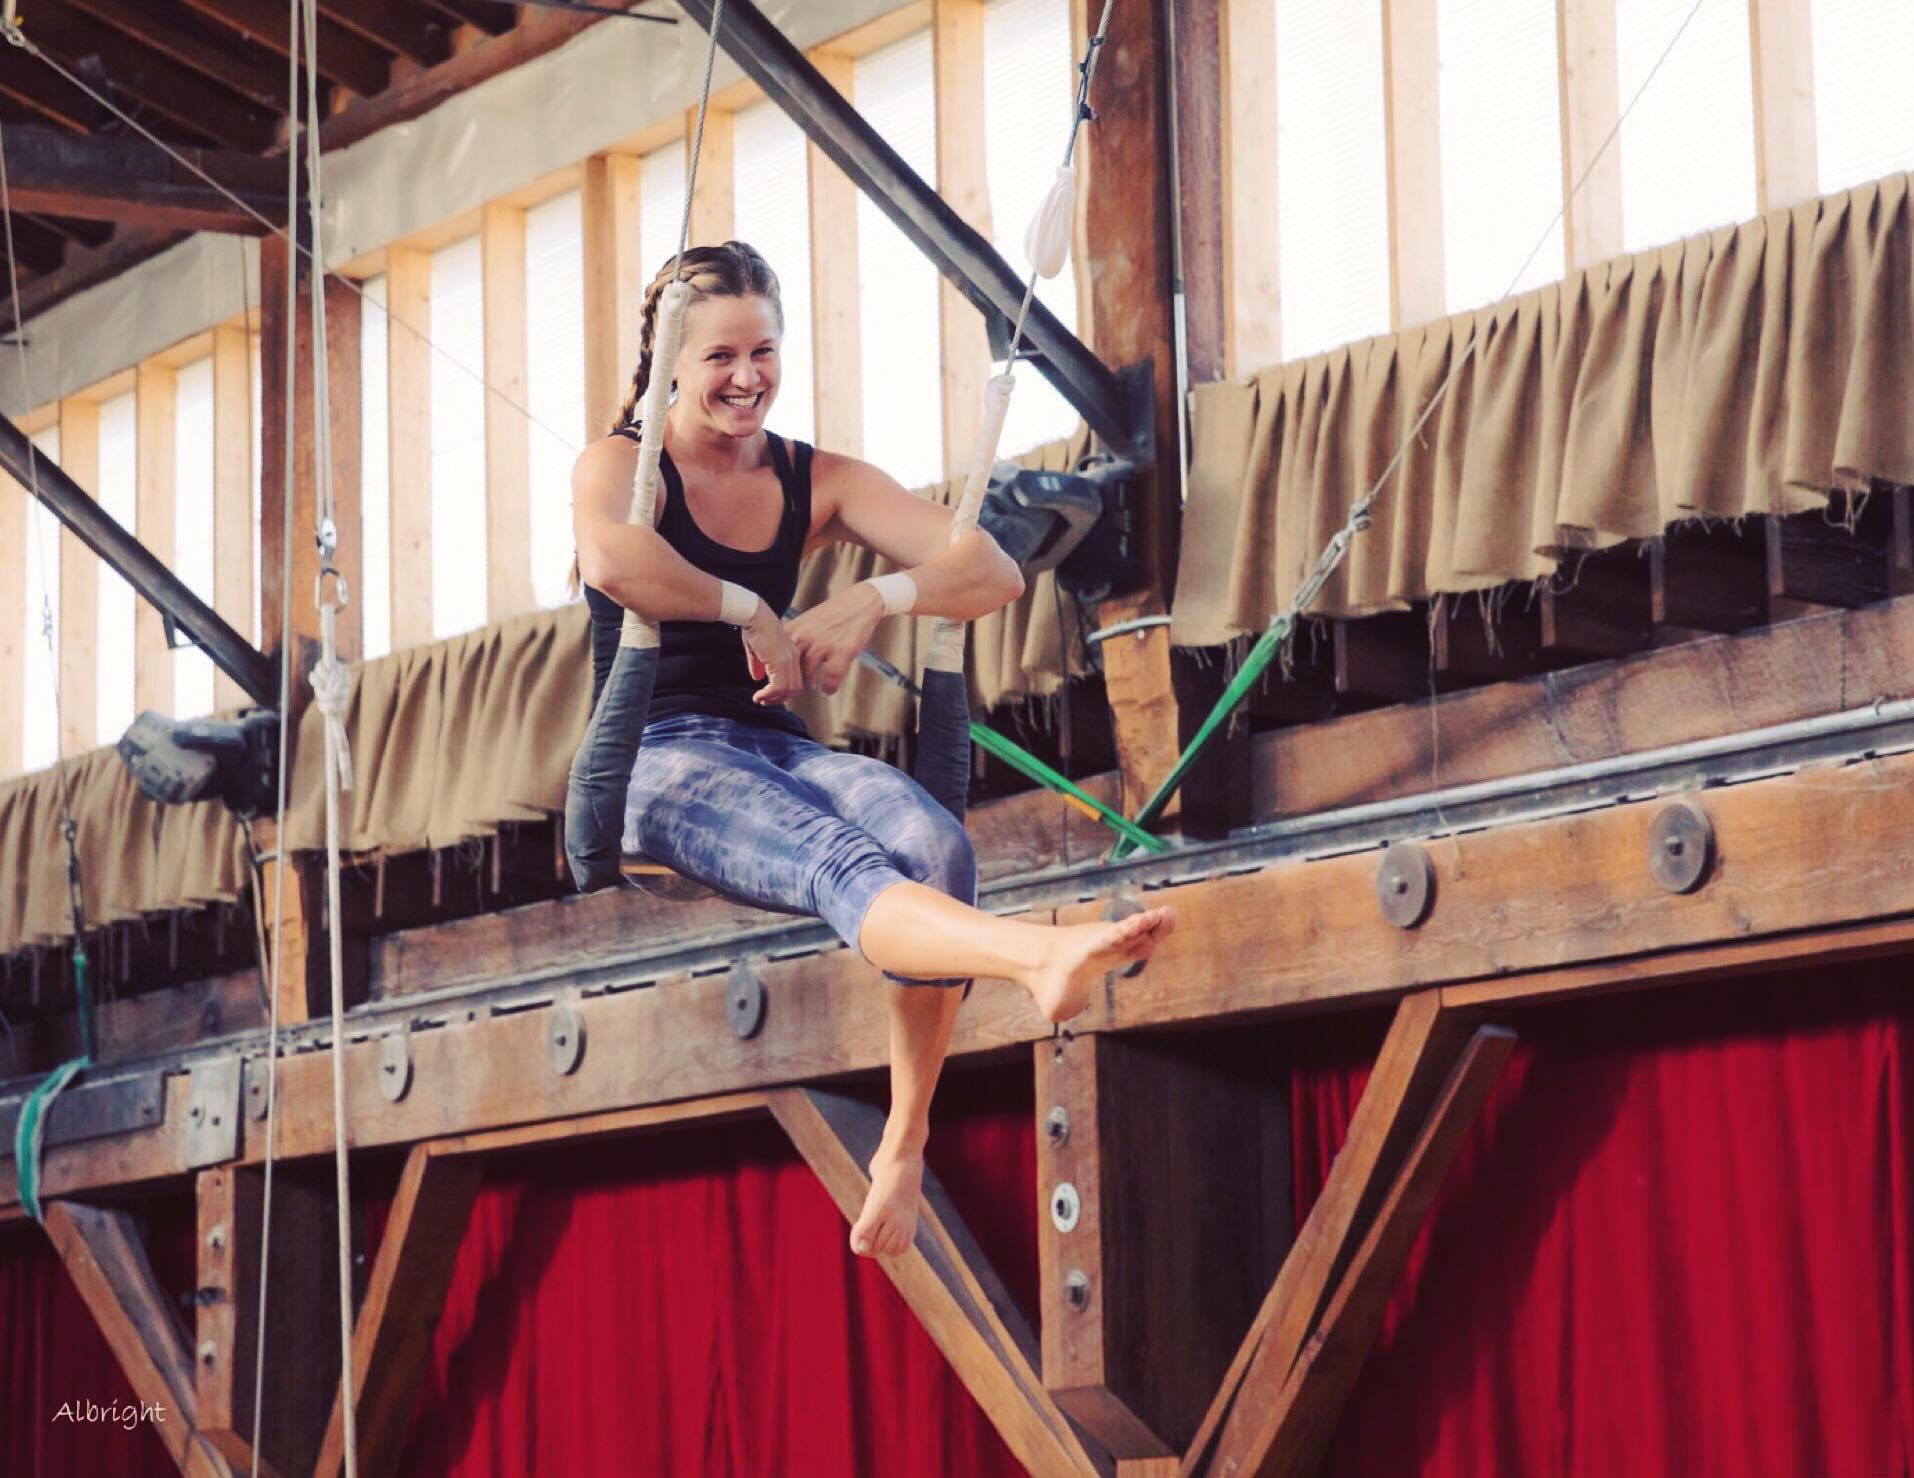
1424	1045
948	1284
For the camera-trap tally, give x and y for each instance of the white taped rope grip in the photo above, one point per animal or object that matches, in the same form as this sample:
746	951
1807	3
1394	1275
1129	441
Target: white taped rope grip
945	651
668	335
1046	240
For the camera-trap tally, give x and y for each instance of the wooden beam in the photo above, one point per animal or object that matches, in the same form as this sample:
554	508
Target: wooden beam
947	1282
1815	560
233	502
18	624
1294	1430
79	586
836	352
408	288
233	65
1139	1317
414	32
1385	657
301	1318
508	454
614	284
349	60
1423	1045
713	203
1216	791
1709	578
346	407
1247	128
1418	289
29	83
957	66
392	1340
1781	50
126	182
1585	49
1125	190
1599	605
103	1255
156	397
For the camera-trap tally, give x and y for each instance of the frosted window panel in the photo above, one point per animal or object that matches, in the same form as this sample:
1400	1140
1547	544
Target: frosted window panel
554	382
1332	187
661	206
193	552
1501	141
1864	108
458	440
898	331
1029	91
1688	160
40	736
119	497
773	213
375	472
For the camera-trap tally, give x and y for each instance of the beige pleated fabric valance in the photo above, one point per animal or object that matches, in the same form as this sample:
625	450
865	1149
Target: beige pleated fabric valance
136	857
1753	369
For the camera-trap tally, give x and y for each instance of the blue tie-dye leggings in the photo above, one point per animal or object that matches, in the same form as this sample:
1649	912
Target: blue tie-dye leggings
781	821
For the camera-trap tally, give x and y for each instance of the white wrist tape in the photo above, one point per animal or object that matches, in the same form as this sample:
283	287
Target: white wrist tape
736	605
898	592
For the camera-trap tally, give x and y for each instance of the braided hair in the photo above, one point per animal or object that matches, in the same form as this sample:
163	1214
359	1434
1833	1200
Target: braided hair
733	270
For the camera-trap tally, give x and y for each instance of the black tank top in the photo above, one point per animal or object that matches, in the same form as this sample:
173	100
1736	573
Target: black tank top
701	664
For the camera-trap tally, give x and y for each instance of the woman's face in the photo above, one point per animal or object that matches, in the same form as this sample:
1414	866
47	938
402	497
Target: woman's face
728	364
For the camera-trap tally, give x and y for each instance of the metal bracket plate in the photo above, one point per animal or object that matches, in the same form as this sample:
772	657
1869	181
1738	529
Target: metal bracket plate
93	1111
212	1113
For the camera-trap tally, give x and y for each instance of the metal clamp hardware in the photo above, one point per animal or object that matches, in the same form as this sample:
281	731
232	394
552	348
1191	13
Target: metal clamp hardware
212	1113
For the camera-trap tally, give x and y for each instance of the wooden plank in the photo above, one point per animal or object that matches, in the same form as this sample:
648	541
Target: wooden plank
155	1021
1901	543
1247	128
155	399
408	287
947	1282
53	173
342	58
1294	937
1291	1440
346	402
836	352
1599	605
1709	578
615	281
1781	51
18	624
1486	640
1136	1355
103	1255
79	633
1816	560
1124	184
1423	1045
1702	690
713	1110
957	67
233	498
1216	790
1586	64
1418	290
713	204
508	454
1384	657
392	1341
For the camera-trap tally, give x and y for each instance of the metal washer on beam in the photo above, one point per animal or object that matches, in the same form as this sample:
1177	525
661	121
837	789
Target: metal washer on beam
744	1000
1681	847
395	1065
565	1037
1405	884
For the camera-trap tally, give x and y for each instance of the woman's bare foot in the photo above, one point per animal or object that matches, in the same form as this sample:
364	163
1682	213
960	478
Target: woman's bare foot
1081	954
888	1222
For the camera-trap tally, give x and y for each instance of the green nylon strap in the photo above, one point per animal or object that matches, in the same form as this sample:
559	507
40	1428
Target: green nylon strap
1260	656
29	1135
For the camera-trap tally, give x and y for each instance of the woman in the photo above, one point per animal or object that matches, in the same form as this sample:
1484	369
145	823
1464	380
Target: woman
729	788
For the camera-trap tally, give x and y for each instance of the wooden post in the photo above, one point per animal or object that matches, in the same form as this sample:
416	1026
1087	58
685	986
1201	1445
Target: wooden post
836	354
346	403
233	510
1247	128
156	390
1126	205
408	296
1586	57
614	284
1418	291
1781	46
1163	1150
508	456
957	67
17	623
713	212
79	586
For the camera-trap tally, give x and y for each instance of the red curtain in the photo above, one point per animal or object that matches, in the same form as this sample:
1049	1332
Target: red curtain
1677	1243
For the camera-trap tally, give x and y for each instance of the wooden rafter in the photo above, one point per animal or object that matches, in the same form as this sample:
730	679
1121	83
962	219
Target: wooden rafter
948	1283
345	58
413	31
233	64
128	182
392	1340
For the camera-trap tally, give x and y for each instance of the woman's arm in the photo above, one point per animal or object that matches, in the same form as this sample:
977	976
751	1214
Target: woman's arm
963	580
637	568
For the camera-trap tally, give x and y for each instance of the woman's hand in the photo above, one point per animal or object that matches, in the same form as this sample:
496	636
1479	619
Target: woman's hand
773	656
832	633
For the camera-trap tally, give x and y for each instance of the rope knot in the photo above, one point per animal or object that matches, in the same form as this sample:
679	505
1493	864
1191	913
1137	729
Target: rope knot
332	691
